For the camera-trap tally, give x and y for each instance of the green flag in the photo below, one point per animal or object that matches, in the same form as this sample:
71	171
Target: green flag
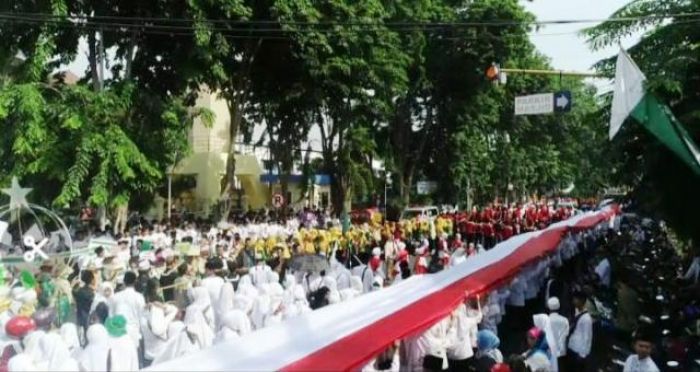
631	99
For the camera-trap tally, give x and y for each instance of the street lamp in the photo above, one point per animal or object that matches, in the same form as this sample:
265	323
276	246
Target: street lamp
170	191
387	183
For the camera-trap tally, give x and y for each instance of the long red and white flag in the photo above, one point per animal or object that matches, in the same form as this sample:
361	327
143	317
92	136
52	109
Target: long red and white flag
347	335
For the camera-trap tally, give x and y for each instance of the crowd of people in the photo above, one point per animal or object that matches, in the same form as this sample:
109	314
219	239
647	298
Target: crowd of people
167	291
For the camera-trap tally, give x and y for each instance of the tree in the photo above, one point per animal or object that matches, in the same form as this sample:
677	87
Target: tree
353	74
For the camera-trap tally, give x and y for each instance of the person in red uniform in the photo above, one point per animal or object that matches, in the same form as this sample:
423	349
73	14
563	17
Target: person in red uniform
507	232
471	232
489	234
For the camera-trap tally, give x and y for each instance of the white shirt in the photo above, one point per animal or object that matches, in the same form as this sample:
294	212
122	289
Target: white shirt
131	305
633	364
603	271
124	354
582	337
465	329
560	328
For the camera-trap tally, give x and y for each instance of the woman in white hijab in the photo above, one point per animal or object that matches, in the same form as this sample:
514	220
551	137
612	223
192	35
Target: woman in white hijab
55	354
199	317
22	363
104	294
69	333
96	353
225	303
180	343
154	328
246	288
290	285
261	308
235	324
299	305
29	358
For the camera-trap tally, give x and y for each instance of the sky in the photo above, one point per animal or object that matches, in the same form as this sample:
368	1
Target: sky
562	43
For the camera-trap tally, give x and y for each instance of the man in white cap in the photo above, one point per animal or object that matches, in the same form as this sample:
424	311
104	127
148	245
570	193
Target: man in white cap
560	327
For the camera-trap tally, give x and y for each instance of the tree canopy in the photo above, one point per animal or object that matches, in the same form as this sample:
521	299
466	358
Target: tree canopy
398	81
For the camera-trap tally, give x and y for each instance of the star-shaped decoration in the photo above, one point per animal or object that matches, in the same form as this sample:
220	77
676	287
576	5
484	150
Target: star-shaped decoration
18	195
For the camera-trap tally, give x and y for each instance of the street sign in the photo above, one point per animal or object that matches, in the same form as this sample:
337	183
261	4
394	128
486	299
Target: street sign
534	104
277	200
562	101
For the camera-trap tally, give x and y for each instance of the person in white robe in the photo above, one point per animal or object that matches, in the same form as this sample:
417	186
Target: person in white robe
259	274
464	331
96	353
261	308
235	324
224	303
213	283
104	294
243	303
366	275
31	356
246	288
438	339
542	322
180	343
154	328
560	326
69	333
411	353
199	317
290	285
22	363
124	351
299	306
603	271
55	354
131	305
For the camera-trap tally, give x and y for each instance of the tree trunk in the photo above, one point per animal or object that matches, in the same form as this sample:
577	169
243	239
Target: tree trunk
92	59
406	185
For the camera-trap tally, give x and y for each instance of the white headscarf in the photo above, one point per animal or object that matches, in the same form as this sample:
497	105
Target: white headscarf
201	303
179	344
246	288
243	303
69	333
235	324
225	303
95	355
56	354
261	308
21	363
300	304
104	294
31	346
198	319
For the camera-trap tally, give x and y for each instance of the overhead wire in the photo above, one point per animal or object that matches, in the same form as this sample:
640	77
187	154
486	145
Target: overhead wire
262	29
503	22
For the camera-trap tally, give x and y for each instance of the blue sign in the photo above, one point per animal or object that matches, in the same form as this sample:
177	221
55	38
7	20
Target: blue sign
562	101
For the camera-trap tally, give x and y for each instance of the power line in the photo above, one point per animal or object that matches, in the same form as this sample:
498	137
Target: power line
267	34
259	33
98	19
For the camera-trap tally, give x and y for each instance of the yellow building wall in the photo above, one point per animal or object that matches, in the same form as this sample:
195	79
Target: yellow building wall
208	159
